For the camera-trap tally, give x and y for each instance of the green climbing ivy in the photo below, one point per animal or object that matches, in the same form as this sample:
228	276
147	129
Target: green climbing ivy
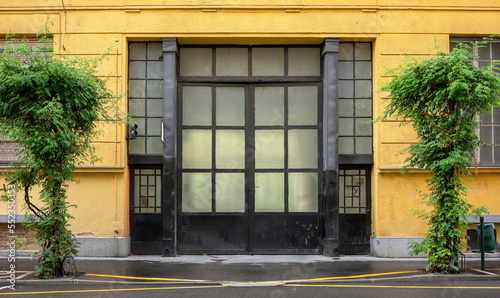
441	98
49	105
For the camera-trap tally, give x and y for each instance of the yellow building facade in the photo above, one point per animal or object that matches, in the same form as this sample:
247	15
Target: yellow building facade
252	121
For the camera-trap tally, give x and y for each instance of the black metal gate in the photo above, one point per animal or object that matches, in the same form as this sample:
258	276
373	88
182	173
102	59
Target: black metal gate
146	222
354	209
249	183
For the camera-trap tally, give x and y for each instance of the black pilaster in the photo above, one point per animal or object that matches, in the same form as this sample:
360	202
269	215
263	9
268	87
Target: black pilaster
169	202
329	54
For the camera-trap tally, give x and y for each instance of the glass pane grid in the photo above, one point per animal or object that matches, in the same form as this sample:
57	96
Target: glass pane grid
213	149
284	136
145	103
355	98
286	154
147	194
249	62
287	150
490	135
352	191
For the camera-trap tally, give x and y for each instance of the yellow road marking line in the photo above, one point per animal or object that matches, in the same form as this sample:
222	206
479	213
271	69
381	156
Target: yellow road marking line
109	290
353	276
393	287
141	278
260	282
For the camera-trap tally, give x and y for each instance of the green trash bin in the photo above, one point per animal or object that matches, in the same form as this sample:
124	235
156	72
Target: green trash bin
489	237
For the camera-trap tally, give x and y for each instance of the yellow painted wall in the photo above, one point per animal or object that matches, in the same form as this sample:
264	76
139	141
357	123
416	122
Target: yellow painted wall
395	27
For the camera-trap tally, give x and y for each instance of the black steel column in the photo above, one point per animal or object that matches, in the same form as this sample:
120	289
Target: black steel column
169	201
329	54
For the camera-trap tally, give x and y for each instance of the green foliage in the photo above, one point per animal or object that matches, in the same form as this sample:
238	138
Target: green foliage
49	106
441	98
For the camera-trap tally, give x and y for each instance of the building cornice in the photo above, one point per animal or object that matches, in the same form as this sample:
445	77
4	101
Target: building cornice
291	8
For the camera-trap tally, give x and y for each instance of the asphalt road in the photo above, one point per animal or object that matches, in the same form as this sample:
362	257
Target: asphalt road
401	288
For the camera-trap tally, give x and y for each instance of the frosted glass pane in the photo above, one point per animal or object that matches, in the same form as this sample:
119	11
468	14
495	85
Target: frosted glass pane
137	107
137	70
137	146
231	62
484	63
302	192
197	106
268	61
154	126
346	126
269	192
495	50
230	106
158	190
496	152
155	51
269	106
303	105
486	134
362	192
345	51
363	145
486	155
137	51
230	149
155	88
137	88
155	107
196	192
364	107
486	117
155	70
341	191
346	108
484	51
346	89
230	192
362	51
269	149
345	70
496	114
496	135
195	62
363	70
196	149
346	145
303	62
363	89
303	149
362	127
137	185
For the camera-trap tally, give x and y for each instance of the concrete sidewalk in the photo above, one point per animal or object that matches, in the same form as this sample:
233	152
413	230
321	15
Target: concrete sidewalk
245	270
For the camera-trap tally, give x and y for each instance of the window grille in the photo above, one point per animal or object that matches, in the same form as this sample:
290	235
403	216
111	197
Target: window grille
352	191
147	191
